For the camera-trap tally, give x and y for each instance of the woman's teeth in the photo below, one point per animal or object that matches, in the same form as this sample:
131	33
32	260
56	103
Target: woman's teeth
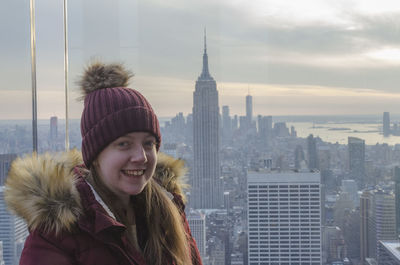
133	172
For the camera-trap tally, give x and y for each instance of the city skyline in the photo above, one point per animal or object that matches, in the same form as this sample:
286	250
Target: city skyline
295	61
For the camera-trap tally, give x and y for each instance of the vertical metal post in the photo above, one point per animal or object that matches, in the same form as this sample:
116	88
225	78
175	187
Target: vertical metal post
66	75
33	68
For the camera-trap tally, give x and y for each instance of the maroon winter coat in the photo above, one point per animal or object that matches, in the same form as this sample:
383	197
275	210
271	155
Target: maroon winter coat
69	224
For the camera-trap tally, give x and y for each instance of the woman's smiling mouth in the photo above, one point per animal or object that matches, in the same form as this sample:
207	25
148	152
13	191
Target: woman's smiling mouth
133	173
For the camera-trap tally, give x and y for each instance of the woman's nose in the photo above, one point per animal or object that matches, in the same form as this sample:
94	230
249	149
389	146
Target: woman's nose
138	155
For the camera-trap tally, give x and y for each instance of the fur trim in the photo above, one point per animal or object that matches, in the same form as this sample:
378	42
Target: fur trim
41	188
99	75
170	173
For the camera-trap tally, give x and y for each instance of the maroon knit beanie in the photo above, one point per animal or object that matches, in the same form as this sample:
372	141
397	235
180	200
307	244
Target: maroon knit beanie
112	110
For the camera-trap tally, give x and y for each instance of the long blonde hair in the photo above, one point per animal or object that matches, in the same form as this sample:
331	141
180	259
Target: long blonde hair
165	235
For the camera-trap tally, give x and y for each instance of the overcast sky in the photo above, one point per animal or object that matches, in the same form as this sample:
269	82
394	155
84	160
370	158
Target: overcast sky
308	57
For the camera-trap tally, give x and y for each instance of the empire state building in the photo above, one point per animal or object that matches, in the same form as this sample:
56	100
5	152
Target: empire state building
206	184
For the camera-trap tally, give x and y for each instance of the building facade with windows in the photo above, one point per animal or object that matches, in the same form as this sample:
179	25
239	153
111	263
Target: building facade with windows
13	232
197	224
284	218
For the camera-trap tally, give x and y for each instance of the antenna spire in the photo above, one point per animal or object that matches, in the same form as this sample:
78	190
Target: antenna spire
205	40
205	75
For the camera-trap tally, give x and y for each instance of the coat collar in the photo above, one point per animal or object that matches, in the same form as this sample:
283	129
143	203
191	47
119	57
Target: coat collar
97	216
45	191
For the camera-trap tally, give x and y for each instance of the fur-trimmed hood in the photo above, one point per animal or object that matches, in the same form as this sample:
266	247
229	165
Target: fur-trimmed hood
41	188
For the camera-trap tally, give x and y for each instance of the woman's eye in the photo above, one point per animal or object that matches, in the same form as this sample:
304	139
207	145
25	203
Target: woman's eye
149	144
122	144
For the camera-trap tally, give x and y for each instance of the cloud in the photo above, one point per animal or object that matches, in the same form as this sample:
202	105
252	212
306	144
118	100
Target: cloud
341	45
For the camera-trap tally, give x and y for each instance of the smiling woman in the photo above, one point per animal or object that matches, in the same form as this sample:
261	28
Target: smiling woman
114	209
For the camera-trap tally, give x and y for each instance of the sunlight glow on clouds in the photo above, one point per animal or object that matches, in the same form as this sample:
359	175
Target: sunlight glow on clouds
386	55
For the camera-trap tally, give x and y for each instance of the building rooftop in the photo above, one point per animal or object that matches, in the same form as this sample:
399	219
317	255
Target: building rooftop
283	176
393	247
193	214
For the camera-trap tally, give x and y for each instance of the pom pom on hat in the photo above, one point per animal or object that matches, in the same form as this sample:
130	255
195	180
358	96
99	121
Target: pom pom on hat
99	75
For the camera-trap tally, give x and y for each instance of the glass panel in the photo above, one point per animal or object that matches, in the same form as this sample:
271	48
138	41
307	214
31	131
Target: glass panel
50	75
15	113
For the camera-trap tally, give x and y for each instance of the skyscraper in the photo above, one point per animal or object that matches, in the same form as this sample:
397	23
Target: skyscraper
284	218
386	124
350	187
249	109
365	208
298	156
226	122
53	133
1	253
378	206
357	159
197	224
206	184
264	128
53	128
5	163
13	232
397	197
312	154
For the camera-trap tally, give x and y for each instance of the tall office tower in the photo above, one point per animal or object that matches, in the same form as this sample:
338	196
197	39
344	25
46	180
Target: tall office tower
53	128
264	127
312	154
350	187
280	129
259	122
5	163
243	123
324	158
206	184
381	223
1	253
13	232
293	131
299	157
284	218
365	206
226	122
397	197
197	224
386	124
52	140
249	109
189	129
235	123
333	246
357	159
178	123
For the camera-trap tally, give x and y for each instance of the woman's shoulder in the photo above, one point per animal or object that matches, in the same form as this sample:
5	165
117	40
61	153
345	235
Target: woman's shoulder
41	189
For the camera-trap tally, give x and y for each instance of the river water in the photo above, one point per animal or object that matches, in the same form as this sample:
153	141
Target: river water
339	132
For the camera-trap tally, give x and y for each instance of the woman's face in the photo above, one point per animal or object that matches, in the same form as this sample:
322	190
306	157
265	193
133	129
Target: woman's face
127	164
